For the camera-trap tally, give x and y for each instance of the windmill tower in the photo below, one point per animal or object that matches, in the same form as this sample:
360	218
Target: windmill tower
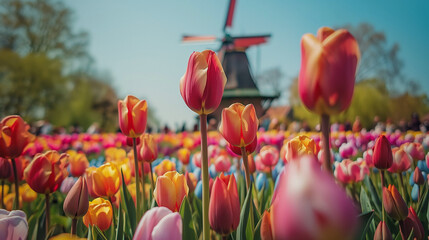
240	86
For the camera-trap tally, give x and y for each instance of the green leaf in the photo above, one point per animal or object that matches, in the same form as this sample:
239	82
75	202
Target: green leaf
244	216
128	204
374	195
367	207
99	233
188	229
120	227
197	215
90	233
365	219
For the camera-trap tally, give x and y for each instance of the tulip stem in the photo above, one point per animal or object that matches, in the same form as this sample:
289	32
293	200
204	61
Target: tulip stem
402	185
143	189
382	187
48	215
205	175
136	170
15	174
2	193
246	167
324	124
74	226
152	183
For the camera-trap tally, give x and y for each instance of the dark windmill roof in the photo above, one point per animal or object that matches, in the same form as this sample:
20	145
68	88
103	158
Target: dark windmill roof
240	82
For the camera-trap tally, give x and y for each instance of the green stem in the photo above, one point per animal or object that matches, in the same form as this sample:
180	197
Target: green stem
205	175
136	170
143	189
324	124
382	187
402	185
152	183
48	217
246	167
15	173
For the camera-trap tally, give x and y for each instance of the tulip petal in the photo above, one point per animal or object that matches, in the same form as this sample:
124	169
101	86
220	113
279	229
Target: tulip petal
165	193
249	125
230	126
216	81
220	209
169	227
149	221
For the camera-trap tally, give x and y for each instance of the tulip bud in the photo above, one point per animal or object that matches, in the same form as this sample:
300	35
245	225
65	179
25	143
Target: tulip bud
202	85
382	155
99	214
76	202
224	208
239	124
191	181
269	155
328	67
249	148
5	169
382	232
170	190
266	233
13	224
418	177
412	223
148	148
222	163
14	136
394	203
132	116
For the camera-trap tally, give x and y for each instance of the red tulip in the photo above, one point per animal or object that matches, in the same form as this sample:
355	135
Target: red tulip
148	149
266	233
202	85
382	155
14	136
224	209
132	116
418	176
239	124
328	68
46	172
249	148
412	223
382	232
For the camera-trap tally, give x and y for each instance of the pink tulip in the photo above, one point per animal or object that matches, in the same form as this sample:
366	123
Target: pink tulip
308	204
349	171
348	150
222	163
401	161
328	68
269	155
159	223
202	85
415	149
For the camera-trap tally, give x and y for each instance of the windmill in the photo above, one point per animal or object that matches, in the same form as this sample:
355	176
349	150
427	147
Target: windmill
240	86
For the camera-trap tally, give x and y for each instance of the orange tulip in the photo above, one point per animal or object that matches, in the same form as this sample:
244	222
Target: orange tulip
27	194
184	155
202	85
99	214
14	136
78	163
170	190
46	172
148	148
266	233
394	204
132	116
89	180
106	180
328	67
298	146
239	124
165	166
224	210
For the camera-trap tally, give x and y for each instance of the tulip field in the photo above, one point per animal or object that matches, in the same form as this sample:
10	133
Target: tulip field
238	182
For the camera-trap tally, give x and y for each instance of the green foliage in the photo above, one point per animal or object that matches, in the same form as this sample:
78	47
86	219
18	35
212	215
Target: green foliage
188	229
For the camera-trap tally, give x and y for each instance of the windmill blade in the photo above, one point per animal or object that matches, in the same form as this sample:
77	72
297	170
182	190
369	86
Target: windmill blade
199	39
229	15
247	41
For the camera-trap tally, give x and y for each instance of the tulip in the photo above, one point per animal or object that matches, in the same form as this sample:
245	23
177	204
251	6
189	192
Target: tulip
10	201
266	233
184	155
99	214
132	116
13	224
412	223
14	136
401	161
269	155
260	166
21	164
27	194
46	172
170	190
382	154
5	169
252	164
349	171
66	236
224	210
415	149
78	164
106	180
308	204
222	163
148	148
328	67
159	223
239	124
394	204
191	181
76	202
165	166
382	232
202	85
298	146
418	177
89	180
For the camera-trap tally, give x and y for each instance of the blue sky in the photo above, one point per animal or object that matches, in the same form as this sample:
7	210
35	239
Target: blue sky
138	42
